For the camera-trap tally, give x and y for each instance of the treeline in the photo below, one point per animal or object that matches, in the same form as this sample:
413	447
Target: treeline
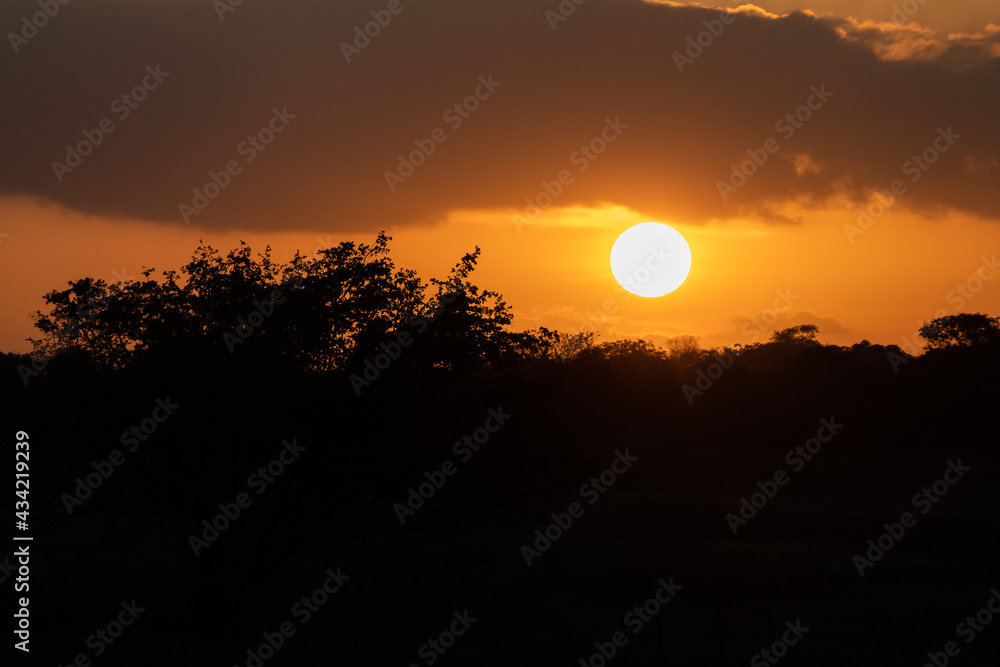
160	400
349	310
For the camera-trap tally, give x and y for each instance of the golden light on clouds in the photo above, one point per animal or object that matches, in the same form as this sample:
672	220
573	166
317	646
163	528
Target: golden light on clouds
658	139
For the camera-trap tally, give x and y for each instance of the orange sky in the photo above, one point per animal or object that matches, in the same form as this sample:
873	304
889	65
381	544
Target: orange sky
322	180
901	271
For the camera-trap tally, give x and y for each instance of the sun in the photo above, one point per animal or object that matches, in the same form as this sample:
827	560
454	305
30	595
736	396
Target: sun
650	259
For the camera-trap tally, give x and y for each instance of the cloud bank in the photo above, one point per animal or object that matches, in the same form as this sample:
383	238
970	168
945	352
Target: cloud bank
500	102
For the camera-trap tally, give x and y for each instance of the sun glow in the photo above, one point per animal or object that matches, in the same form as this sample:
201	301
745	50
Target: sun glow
650	259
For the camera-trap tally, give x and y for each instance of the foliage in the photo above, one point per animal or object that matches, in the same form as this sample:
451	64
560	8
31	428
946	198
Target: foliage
322	313
803	334
961	330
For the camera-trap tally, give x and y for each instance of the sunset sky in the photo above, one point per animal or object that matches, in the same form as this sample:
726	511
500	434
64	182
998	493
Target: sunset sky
646	109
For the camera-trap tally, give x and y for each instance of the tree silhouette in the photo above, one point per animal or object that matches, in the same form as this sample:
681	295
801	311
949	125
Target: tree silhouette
322	313
961	330
684	348
257	352
803	334
470	329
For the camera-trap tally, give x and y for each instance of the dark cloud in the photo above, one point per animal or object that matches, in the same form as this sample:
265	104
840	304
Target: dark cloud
609	59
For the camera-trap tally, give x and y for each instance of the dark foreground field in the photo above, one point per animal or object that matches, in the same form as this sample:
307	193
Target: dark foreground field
458	562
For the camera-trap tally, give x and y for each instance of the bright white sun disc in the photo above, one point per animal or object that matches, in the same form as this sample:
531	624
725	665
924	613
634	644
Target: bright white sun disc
650	259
